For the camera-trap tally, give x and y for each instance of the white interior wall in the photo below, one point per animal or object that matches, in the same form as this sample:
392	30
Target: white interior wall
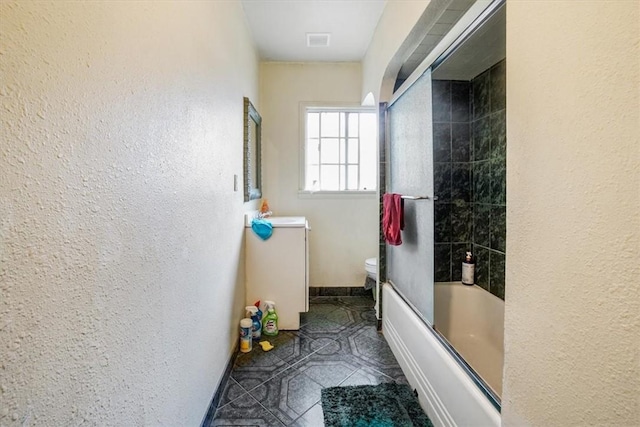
344	229
572	315
121	273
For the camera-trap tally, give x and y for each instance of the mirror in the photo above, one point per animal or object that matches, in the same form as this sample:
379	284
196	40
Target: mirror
252	154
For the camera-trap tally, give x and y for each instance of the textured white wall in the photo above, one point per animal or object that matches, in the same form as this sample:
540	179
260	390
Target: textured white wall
572	326
121	276
344	230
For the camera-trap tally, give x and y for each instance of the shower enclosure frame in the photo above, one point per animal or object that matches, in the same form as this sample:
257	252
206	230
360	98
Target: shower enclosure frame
475	25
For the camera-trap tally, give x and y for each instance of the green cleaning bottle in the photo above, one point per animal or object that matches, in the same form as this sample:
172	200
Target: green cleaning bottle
270	320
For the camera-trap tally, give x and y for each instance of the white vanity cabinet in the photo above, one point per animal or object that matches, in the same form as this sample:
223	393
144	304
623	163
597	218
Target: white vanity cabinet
277	269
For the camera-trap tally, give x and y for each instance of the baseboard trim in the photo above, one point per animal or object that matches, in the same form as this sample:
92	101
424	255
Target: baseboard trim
338	291
217	395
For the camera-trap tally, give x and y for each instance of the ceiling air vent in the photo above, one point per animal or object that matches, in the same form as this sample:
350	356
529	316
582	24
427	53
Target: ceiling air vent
318	39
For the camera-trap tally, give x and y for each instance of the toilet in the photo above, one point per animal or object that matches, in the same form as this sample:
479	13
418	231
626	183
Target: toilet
371	267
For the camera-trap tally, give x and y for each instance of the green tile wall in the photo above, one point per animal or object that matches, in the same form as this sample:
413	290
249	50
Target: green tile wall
469	149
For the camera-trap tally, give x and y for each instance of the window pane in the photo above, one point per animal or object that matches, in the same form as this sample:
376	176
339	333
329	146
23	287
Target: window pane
330	150
352	176
353	151
368	177
343	150
335	163
330	178
343	124
368	169
313	151
353	125
368	152
368	127
313	178
313	125
329	125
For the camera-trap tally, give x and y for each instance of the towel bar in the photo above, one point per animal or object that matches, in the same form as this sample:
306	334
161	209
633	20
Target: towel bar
418	197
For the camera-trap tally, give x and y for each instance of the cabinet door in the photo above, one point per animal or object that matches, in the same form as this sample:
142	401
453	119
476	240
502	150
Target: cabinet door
276	271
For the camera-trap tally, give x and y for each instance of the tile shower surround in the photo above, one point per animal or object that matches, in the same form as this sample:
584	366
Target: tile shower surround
469	149
337	344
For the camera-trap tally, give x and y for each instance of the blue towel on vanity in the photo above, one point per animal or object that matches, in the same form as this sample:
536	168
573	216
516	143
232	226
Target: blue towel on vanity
262	227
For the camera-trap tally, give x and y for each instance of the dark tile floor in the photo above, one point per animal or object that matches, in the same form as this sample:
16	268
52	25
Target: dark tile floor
337	344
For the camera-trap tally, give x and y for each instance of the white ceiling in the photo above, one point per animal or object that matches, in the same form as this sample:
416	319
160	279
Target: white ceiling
280	28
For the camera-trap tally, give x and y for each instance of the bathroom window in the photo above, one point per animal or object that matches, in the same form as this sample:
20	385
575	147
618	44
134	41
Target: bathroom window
340	149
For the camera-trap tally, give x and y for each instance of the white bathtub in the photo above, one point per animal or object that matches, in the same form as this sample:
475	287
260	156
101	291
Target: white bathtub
472	320
447	393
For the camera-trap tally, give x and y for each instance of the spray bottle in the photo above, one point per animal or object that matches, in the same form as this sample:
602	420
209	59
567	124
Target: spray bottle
270	320
256	331
257	304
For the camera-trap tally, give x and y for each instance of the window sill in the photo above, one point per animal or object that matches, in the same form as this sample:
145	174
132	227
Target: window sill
304	194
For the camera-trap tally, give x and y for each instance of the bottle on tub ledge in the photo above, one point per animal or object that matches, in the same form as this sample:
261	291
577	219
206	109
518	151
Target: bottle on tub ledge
468	269
270	320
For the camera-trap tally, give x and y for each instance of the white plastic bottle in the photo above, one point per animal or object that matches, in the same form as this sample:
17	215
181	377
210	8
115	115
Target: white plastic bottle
246	339
468	269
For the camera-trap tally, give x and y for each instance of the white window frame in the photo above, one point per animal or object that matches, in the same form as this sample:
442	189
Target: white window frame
338	107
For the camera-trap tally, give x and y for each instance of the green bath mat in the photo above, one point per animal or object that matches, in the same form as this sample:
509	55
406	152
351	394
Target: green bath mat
382	405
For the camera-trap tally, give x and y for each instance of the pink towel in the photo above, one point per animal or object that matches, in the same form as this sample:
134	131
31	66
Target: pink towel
392	218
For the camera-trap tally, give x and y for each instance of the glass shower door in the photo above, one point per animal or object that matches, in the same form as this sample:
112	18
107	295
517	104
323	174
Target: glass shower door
410	156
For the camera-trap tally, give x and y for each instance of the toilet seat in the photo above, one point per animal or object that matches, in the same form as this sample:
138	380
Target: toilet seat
371	267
